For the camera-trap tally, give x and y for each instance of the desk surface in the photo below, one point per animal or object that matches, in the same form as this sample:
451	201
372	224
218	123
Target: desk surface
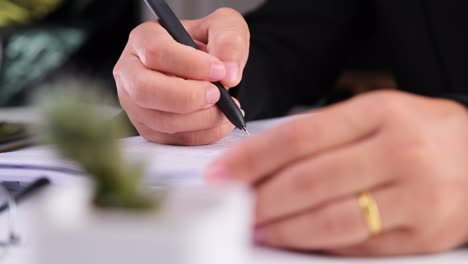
268	256
259	255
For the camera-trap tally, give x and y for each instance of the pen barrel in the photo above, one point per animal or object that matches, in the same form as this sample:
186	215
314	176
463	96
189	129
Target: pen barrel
229	107
170	22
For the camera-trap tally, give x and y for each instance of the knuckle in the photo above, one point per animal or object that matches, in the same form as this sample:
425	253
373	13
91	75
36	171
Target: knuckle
165	124
137	90
189	139
230	40
341	219
383	108
152	55
334	226
438	200
429	244
142	29
123	101
197	138
386	102
154	135
224	38
215	117
145	132
196	68
190	100
117	72
292	135
238	40
418	155
407	213
314	190
249	161
220	132
147	136
134	34
148	54
138	32
226	11
279	235
302	184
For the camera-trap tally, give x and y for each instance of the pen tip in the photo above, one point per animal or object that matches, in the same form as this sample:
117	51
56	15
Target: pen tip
246	131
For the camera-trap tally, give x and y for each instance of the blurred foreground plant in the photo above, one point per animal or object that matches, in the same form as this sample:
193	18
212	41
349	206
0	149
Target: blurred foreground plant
75	123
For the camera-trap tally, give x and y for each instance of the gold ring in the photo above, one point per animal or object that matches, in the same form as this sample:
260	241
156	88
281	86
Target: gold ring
371	213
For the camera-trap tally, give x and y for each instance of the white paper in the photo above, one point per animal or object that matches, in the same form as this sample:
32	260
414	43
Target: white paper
184	165
173	164
178	161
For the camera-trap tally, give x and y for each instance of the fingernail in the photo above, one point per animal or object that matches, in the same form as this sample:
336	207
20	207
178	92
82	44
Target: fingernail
258	236
212	95
243	112
218	71
216	172
232	72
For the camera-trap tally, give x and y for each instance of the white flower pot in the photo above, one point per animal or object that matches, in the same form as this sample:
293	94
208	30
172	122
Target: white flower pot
195	225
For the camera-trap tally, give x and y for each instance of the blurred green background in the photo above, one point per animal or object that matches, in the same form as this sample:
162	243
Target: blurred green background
45	39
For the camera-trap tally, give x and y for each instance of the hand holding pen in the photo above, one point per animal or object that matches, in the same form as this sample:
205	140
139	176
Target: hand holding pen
166	87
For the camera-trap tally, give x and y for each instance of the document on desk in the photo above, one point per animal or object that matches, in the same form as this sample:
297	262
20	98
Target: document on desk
181	165
170	164
186	164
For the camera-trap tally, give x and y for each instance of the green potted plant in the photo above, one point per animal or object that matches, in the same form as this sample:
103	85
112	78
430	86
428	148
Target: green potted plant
114	218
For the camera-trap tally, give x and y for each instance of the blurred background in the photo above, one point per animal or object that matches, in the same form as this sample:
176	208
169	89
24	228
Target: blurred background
190	9
42	40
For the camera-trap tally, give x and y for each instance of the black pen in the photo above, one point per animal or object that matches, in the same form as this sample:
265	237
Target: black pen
30	189
172	24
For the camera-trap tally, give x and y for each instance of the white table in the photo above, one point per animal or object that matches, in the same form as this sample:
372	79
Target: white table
275	257
259	255
269	256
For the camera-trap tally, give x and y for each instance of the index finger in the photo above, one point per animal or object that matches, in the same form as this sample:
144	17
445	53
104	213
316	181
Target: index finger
158	51
310	134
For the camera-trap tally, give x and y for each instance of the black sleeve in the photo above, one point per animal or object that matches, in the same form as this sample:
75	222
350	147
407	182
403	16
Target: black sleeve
297	50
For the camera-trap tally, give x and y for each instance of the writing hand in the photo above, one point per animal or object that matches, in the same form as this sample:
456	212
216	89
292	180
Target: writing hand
165	87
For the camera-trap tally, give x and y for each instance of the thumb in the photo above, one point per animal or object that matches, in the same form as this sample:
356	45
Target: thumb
228	38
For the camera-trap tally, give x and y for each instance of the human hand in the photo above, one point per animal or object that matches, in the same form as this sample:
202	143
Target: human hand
409	152
165	87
